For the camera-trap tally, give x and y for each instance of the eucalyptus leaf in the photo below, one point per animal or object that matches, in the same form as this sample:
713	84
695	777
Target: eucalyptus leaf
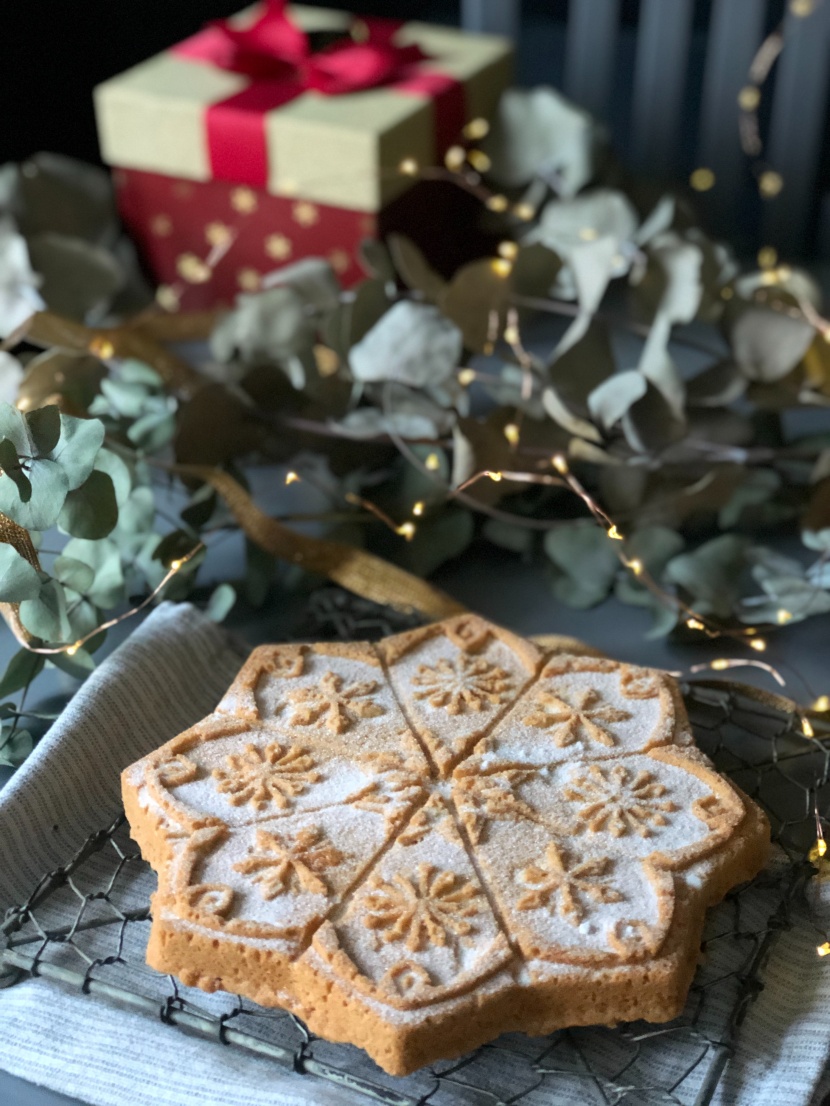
767	345
654	547
711	574
73	573
376	260
568	225
611	399
414	269
77	448
90	511
45	428
268	326
20	671
757	487
78	279
45	616
53	192
566	418
650	424
413	417
815	525
538	133
586	561
15	746
119	473
716	386
18	579
790	591
19	295
517	539
221	603
128	398
104	559
576	372
313	278
12	468
153	431
411	344
477	300
133	371
49	487
79	665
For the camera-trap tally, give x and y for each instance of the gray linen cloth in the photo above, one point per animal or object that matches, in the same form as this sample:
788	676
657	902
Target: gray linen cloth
171	672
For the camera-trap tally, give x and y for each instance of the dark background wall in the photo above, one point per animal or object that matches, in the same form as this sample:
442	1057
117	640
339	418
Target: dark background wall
56	51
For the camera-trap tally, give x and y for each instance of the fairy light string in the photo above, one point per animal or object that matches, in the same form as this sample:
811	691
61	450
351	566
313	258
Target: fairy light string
70	649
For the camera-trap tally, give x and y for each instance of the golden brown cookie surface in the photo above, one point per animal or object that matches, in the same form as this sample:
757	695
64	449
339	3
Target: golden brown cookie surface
418	845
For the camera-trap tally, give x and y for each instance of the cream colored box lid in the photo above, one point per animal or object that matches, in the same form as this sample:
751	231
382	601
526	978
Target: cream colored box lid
338	150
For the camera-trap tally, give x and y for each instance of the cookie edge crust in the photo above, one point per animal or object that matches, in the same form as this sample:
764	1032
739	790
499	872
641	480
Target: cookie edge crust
654	990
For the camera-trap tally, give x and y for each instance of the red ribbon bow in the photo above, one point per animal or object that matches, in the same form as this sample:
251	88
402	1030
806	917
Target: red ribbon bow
277	57
274	48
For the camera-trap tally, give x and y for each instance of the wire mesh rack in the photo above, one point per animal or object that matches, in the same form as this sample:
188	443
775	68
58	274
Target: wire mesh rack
86	925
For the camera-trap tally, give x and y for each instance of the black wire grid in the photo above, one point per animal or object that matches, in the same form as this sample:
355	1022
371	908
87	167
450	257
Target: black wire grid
86	925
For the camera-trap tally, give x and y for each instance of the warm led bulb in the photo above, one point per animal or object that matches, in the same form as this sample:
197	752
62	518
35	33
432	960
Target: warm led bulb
614	533
406	530
702	179
511	432
291	478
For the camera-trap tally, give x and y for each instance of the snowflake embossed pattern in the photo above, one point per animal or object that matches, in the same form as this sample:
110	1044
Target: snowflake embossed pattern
417	845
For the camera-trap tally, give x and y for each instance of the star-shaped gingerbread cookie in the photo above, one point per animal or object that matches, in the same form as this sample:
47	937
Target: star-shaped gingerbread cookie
417	845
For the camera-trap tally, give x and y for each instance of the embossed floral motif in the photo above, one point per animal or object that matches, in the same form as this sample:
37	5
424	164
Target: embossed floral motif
466	684
396	785
405	977
422	824
176	770
213	899
493	797
564	887
275	774
639	684
421	908
335	702
619	801
283	862
575	716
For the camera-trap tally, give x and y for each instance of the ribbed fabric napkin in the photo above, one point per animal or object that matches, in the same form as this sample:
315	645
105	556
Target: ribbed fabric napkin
170	673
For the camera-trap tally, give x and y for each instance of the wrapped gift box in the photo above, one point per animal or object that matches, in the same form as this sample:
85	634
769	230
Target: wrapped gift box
222	152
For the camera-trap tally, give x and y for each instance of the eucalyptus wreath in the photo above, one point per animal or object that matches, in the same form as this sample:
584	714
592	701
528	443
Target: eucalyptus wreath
391	399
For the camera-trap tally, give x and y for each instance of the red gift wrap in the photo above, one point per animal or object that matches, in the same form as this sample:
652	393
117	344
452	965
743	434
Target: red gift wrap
280	134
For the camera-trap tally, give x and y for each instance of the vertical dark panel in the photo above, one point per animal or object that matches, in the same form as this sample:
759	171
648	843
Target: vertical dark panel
797	128
663	41
593	29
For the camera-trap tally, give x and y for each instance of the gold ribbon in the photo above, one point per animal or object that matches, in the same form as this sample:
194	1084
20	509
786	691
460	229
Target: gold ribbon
137	339
360	572
15	536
